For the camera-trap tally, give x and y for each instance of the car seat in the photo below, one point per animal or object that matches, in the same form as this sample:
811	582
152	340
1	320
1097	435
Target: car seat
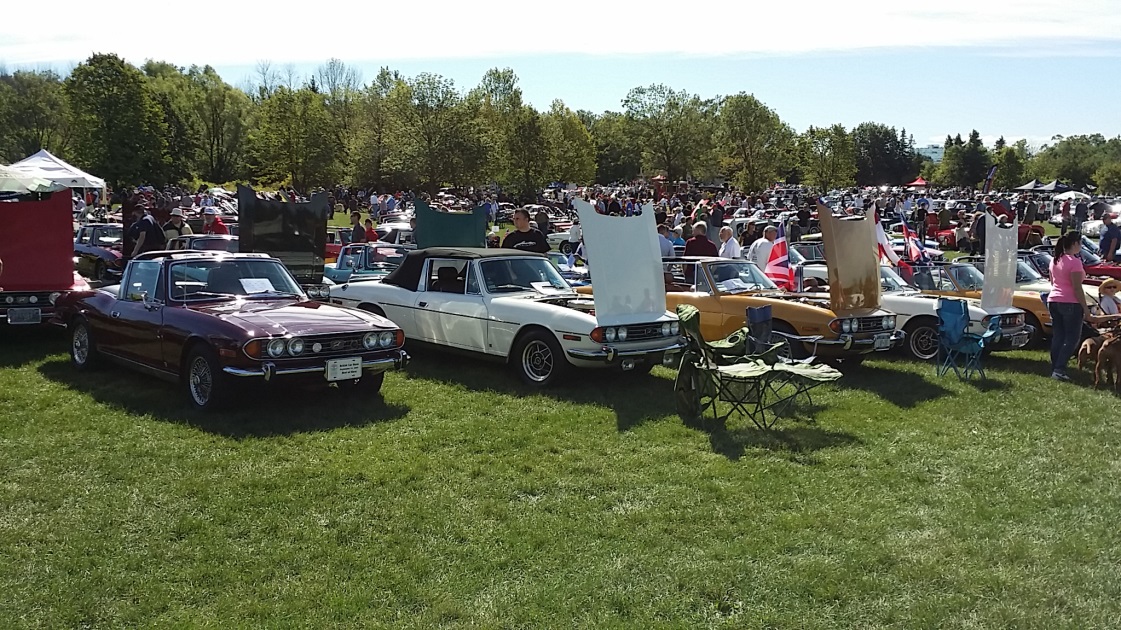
225	278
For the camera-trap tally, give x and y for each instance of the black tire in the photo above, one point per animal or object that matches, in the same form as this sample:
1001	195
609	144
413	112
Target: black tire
565	247
922	338
794	349
101	274
1036	340
208	387
369	384
83	347
538	358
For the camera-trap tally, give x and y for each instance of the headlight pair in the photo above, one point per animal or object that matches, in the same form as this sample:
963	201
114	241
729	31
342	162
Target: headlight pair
375	340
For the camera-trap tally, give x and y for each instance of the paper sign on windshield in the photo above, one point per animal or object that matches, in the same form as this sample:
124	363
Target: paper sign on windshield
256	285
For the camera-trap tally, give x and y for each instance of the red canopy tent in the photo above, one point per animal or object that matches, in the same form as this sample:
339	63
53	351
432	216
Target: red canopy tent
918	183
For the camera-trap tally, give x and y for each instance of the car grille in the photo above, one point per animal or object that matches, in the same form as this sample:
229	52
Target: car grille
870	324
642	332
1011	320
22	299
332	345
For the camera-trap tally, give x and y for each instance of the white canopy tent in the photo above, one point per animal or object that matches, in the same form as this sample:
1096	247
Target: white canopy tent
45	165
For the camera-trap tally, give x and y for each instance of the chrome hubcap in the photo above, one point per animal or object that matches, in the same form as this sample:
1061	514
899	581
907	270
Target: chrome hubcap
81	345
537	360
201	380
924	343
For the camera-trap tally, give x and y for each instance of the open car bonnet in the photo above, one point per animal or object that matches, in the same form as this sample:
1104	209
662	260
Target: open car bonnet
850	255
629	282
1000	264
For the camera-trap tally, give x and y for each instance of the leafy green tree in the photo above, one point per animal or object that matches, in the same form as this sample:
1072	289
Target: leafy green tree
673	129
224	118
176	95
1009	168
1108	178
756	143
295	140
828	157
32	115
964	163
1076	159
376	157
434	127
528	147
618	158
883	155
572	154
118	128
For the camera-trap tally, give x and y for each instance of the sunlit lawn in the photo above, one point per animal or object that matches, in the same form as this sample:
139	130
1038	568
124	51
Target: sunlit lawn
463	499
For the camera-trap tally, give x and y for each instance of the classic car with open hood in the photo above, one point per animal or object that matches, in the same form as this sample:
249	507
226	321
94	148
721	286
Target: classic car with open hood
846	325
213	321
515	306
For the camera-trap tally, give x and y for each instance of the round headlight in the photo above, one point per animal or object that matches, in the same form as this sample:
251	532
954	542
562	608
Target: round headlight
276	348
846	326
675	328
295	346
10	299
33	299
622	334
609	334
54	297
887	323
370	341
667	330
386	339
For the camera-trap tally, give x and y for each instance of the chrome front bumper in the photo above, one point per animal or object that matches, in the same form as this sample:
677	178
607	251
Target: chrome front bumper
847	342
611	354
269	369
1014	341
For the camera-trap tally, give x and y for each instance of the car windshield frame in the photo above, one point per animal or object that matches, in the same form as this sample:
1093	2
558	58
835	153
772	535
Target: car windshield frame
755	279
504	276
964	268
206	293
107	236
892	281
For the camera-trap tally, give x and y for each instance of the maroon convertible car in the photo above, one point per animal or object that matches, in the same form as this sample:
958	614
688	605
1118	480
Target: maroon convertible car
212	319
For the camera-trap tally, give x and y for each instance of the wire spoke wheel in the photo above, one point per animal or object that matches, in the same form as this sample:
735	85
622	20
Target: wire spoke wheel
80	344
201	381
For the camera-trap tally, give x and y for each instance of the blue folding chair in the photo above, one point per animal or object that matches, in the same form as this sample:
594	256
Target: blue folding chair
959	350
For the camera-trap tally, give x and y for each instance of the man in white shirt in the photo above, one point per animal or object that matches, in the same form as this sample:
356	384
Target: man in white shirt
664	243
760	251
729	248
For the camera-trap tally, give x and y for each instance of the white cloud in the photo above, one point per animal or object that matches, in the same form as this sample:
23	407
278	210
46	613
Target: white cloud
243	32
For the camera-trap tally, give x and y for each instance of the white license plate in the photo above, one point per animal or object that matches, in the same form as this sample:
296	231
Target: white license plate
883	342
344	369
24	316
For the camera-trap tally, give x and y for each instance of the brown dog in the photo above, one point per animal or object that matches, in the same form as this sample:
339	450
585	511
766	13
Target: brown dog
1109	362
1088	352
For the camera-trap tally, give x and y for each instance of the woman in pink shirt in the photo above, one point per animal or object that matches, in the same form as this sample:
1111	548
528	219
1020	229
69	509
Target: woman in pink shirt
1066	303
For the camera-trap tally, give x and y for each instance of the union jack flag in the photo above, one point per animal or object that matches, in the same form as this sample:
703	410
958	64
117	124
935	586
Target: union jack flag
914	250
778	265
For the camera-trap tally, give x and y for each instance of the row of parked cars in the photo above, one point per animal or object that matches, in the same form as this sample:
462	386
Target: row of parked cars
209	317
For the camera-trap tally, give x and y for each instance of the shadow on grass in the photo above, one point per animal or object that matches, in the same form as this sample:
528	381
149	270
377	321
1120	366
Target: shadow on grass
260	411
23	345
901	388
1021	365
635	398
735	442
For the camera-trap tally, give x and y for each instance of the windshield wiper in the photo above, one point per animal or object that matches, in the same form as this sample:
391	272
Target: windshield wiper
273	294
502	288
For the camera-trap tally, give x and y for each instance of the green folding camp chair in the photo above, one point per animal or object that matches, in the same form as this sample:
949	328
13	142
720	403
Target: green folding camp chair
728	374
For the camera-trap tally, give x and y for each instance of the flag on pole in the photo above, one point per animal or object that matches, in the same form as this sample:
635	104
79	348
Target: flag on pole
778	265
886	252
915	250
989	180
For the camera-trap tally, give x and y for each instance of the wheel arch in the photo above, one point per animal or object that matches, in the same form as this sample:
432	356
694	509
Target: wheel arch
189	345
527	329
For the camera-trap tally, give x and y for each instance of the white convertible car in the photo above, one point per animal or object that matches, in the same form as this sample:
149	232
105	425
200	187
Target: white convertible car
515	306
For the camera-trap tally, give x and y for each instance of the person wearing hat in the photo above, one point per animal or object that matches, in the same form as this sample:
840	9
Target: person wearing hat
212	223
1107	297
176	226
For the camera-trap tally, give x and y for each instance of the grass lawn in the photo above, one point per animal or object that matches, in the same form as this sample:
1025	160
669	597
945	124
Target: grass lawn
462	499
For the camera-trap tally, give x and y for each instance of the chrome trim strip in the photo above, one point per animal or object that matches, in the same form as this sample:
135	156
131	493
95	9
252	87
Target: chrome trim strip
610	353
269	369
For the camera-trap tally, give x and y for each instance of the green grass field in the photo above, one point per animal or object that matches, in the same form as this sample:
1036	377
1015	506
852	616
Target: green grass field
462	499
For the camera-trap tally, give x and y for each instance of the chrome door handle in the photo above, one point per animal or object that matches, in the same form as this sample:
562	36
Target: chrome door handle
115	314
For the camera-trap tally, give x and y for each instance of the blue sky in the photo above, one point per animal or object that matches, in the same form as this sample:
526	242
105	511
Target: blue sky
1017	68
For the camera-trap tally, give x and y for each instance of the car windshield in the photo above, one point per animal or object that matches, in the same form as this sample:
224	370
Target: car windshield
508	275
109	235
738	277
1024	272
215	244
967	277
211	279
1090	258
892	281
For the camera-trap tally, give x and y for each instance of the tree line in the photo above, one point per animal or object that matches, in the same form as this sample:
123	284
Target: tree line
159	123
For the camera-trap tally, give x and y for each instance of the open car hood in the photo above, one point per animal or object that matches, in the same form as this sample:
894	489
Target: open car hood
626	251
850	255
1000	264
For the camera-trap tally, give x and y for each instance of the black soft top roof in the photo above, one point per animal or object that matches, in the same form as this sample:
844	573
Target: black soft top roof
407	276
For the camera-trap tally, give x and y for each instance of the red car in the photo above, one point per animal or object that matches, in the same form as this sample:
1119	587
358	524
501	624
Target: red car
948	240
214	321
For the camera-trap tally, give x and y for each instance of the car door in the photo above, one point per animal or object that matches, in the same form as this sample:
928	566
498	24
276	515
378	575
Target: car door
446	314
136	316
701	296
81	251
